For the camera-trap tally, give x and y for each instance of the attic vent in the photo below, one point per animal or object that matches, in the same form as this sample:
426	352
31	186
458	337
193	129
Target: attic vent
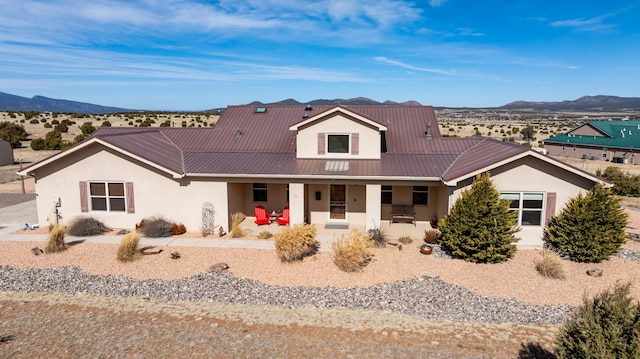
238	133
306	115
261	110
308	107
336	166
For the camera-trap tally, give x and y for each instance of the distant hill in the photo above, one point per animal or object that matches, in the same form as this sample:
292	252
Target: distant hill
10	102
357	101
585	103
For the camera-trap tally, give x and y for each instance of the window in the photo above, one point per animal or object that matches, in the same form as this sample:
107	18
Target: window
387	195
604	152
338	143
420	195
107	196
528	205
259	192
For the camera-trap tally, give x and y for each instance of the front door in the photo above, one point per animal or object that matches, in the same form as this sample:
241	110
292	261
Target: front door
338	202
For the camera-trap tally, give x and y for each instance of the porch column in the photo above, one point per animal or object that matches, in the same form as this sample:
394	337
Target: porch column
296	203
373	197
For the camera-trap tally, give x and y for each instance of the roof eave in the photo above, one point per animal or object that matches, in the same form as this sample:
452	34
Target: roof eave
29	170
545	158
315	177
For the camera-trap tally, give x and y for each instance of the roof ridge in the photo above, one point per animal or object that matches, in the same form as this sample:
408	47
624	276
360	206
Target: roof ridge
481	140
177	147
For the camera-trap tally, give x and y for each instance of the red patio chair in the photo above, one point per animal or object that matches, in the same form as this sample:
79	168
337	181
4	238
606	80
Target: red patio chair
261	215
283	218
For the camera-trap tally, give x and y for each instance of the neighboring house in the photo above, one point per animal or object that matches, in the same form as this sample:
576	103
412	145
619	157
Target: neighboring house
334	166
615	141
6	153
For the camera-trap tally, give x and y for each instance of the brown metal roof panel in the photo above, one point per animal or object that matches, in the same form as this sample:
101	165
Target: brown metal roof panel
150	145
484	154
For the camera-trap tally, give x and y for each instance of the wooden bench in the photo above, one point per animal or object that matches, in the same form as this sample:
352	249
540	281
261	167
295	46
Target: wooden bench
402	213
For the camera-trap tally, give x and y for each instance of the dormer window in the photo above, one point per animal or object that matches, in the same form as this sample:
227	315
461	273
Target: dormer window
338	144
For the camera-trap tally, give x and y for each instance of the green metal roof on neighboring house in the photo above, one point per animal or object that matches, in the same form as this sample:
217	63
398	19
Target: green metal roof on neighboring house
616	134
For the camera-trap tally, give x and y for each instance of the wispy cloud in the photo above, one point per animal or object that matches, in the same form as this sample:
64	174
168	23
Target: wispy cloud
412	67
436	3
586	25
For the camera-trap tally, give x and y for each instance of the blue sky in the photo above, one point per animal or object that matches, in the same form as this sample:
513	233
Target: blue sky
197	55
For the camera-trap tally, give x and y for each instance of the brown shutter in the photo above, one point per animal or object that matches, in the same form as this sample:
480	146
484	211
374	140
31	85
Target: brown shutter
131	208
321	144
355	143
551	206
84	199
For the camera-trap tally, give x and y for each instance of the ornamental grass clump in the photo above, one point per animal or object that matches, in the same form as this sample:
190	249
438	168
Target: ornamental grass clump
295	243
264	235
86	226
405	240
236	229
606	326
351	253
550	265
128	249
56	240
378	236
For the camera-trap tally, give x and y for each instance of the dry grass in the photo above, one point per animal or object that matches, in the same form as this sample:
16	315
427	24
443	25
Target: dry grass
128	249
264	235
351	253
550	265
295	243
56	240
405	240
236	229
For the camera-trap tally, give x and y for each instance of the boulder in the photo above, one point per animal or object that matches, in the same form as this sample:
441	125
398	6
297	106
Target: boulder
594	272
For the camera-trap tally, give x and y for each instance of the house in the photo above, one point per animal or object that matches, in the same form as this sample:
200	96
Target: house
6	153
615	141
334	166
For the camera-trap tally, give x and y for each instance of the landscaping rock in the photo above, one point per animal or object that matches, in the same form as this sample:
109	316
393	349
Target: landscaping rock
428	275
219	267
595	272
36	250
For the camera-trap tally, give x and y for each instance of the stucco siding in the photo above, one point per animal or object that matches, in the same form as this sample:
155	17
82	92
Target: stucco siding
155	193
368	138
532	175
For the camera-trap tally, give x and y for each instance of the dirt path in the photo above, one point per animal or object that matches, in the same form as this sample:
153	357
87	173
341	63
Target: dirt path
57	326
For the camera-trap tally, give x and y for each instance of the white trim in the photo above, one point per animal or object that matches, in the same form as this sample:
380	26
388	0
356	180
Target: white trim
30	169
540	156
335	110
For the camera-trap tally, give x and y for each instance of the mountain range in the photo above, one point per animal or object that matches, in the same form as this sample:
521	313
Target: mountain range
598	103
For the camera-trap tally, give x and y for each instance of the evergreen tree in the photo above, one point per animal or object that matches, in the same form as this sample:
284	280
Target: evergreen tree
608	326
480	227
590	228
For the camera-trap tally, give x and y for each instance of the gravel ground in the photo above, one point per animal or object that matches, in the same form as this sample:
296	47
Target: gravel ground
83	303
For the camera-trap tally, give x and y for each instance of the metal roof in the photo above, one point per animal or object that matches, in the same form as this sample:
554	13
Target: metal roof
246	142
617	134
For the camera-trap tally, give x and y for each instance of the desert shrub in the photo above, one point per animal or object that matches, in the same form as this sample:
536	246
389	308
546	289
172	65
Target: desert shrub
590	228
431	236
178	229
155	227
86	226
606	326
236	229
56	240
624	184
264	235
550	265
297	242
480	227
87	128
405	240
128	248
378	236
351	253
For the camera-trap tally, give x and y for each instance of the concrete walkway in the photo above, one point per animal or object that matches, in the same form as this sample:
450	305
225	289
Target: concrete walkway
13	218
